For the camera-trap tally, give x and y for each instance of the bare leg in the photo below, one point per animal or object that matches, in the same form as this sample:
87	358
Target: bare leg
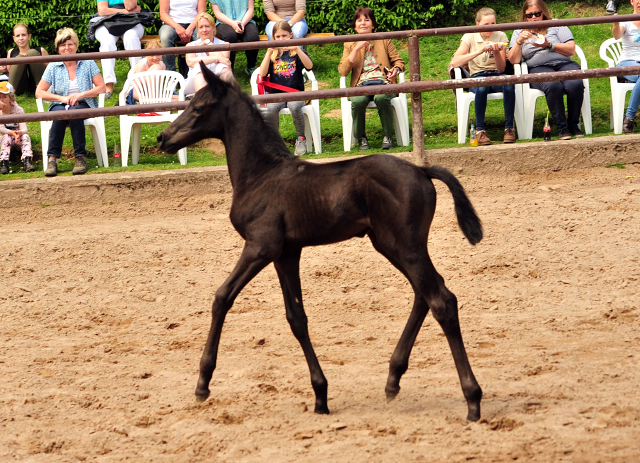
288	268
251	262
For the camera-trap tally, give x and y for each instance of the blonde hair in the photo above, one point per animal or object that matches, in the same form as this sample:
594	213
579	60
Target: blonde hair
65	34
153	44
21	25
281	26
209	18
482	12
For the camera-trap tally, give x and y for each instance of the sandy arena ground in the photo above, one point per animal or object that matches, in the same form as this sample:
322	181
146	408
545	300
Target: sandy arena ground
104	310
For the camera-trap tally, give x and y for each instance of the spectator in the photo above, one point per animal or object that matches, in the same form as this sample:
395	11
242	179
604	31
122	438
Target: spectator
485	53
234	22
24	77
179	25
629	32
291	11
69	85
284	67
217	61
370	62
130	38
550	50
148	63
13	133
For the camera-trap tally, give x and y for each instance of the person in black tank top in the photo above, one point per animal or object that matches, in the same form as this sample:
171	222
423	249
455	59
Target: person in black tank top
25	77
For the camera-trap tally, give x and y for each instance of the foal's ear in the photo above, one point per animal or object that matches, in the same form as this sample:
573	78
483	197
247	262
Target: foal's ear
215	83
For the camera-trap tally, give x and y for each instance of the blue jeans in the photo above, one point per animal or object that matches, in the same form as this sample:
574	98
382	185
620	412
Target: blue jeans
168	38
299	29
56	135
634	101
509	99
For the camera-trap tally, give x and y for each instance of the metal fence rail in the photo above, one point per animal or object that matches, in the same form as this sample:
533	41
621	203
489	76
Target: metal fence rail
415	86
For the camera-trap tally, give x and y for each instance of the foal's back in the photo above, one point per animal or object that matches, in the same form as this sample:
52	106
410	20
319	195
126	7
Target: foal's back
313	204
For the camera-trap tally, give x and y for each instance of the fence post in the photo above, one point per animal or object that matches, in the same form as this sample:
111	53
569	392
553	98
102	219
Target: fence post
416	101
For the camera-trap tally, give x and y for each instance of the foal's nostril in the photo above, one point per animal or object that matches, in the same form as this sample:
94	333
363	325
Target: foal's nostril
160	139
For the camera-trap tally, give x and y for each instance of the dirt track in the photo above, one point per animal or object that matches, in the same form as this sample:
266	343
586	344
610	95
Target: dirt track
104	310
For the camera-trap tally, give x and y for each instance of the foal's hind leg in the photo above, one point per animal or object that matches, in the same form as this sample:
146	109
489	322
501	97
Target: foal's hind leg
444	306
399	362
288	268
431	293
251	262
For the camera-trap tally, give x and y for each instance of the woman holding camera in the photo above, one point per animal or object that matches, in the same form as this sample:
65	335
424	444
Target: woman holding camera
234	22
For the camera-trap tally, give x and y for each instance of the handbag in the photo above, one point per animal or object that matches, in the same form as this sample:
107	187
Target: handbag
263	82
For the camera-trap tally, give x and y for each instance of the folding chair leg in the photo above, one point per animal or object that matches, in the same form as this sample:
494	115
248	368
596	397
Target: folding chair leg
347	124
136	134
182	156
125	139
44	133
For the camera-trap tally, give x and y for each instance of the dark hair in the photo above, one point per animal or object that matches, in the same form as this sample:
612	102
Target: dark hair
367	13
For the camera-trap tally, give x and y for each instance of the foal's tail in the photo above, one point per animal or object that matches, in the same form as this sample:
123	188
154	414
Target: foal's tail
467	218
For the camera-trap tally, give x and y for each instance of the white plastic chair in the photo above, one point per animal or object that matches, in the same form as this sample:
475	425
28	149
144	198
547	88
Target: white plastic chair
311	112
153	87
463	104
530	95
400	116
95	124
610	51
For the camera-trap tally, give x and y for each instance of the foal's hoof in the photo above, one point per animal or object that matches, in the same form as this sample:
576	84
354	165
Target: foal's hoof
391	394
474	413
200	397
321	410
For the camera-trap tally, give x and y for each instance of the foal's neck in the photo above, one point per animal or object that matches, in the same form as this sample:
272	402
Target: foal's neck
253	149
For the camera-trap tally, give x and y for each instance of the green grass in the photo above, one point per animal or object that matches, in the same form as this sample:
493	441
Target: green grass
439	116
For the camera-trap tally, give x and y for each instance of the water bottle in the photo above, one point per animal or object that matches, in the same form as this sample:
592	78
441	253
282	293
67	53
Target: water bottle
547	129
473	141
117	157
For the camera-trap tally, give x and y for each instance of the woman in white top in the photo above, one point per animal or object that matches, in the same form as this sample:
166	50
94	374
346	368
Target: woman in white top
628	32
179	25
217	61
130	38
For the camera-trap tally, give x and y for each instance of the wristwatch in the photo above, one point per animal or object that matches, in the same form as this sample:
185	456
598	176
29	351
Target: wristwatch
551	46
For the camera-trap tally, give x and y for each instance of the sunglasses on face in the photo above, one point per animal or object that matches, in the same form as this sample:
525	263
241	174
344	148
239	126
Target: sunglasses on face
537	14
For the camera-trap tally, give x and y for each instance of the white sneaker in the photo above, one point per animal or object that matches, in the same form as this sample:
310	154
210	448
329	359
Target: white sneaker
301	146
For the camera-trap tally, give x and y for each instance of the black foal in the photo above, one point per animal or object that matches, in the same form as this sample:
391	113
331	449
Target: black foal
281	204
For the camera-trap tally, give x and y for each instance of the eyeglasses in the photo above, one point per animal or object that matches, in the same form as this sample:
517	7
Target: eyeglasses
537	14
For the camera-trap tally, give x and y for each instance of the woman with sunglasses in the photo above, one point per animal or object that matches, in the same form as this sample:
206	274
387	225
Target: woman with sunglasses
550	50
486	55
628	32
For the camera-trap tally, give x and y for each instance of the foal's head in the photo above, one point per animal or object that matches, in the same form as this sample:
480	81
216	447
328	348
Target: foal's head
204	117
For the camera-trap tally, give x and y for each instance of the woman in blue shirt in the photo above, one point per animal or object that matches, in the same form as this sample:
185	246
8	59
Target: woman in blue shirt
234	22
69	85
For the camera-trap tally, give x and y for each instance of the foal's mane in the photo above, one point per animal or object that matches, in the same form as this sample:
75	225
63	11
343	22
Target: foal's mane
270	140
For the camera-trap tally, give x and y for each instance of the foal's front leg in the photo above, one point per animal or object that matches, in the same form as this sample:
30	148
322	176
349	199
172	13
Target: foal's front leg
251	262
288	268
